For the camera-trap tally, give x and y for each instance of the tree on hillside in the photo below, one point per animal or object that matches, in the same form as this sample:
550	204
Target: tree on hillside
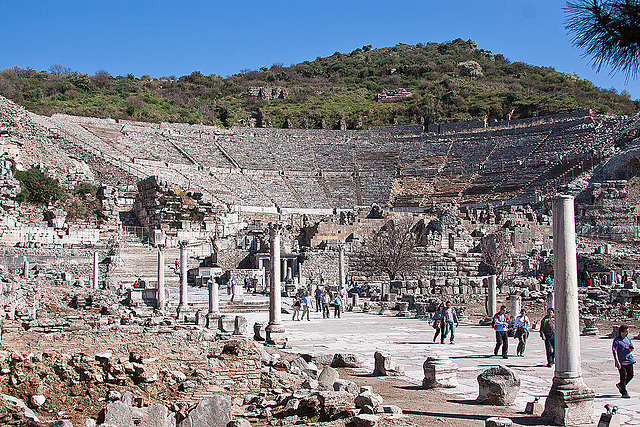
497	251
391	250
608	31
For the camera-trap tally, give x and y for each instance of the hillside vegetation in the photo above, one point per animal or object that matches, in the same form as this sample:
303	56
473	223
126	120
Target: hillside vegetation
452	81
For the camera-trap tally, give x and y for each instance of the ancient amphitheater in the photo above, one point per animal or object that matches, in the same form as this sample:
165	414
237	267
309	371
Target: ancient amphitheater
295	169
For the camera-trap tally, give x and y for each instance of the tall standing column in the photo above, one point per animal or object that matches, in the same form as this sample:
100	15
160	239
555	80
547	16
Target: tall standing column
341	266
160	293
182	306
275	330
25	268
492	291
214	304
570	401
95	271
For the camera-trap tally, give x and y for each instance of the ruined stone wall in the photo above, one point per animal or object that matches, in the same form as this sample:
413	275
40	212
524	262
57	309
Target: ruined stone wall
322	262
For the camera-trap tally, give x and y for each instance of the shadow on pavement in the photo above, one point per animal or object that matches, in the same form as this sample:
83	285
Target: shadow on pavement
519	420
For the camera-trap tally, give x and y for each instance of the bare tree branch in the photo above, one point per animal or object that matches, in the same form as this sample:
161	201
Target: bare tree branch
391	250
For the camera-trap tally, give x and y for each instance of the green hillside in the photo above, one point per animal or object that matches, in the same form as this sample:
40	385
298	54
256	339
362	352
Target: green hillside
452	81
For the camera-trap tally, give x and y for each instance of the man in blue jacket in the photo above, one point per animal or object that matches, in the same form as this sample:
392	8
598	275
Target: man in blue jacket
500	324
623	358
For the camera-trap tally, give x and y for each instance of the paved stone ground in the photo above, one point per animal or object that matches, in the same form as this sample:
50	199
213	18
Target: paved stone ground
409	341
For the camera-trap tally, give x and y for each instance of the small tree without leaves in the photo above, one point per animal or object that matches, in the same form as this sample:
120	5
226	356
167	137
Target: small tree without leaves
391	250
497	251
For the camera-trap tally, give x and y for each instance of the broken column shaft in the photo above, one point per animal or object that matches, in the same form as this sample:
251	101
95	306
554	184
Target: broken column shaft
214	304
94	284
341	272
182	306
492	292
160	295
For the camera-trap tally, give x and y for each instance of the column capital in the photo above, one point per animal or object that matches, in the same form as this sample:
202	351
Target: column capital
275	228
183	243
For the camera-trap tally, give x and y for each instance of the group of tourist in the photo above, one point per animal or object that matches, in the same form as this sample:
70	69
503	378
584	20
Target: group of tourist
521	325
445	321
324	300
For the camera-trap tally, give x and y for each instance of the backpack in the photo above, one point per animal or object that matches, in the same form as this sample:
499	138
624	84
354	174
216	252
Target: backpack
493	319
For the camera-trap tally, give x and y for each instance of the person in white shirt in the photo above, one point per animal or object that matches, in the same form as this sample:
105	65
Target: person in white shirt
521	328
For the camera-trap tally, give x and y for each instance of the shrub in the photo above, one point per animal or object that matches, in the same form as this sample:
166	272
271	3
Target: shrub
470	69
37	187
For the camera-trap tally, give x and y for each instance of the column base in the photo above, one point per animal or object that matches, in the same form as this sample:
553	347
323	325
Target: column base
181	312
275	334
570	403
212	320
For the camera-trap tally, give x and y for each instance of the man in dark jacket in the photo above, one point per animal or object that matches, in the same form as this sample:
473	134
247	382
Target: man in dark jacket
548	334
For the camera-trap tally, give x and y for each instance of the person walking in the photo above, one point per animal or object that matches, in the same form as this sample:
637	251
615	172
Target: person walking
500	324
326	301
623	358
296	307
307	305
318	298
548	334
521	327
337	306
450	322
438	322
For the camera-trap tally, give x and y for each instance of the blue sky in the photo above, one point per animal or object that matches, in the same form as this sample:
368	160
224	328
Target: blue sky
163	38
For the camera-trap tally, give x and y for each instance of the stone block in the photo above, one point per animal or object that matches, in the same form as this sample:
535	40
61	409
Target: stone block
498	422
334	402
117	414
328	376
201	318
259	331
609	420
533	408
227	323
214	411
151	416
439	372
346	385
347	360
240	326
366	420
368	398
390	409
384	365
498	386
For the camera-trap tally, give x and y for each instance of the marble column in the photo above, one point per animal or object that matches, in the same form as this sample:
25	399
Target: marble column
550	298
492	292
160	292
183	305
341	270
516	306
570	401
95	271
214	304
275	330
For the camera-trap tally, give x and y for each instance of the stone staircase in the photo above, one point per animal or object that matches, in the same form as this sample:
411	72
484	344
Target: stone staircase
140	260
